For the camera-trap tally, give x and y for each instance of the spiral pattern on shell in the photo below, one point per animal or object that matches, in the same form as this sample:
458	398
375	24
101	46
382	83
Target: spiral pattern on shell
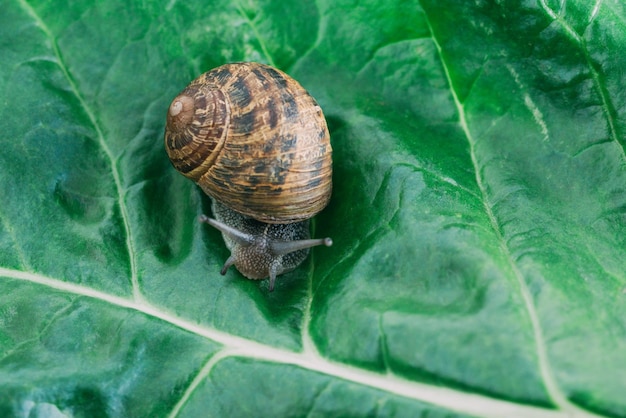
254	139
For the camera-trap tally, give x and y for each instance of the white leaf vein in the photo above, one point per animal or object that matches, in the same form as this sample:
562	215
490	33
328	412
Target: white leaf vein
101	142
234	346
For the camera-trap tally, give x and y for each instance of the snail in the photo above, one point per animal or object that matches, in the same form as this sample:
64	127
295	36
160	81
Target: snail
257	144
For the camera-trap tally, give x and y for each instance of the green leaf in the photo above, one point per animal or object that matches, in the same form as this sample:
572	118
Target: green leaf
478	214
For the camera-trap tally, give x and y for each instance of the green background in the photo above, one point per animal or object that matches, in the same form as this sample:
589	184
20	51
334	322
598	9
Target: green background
478	214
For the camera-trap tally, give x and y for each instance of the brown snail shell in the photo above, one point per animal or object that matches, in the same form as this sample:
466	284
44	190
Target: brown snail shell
254	139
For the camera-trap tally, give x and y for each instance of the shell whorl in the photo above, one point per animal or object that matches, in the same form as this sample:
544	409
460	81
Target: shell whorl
197	122
253	139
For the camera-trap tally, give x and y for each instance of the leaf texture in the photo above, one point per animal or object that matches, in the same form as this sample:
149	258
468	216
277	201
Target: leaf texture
478	214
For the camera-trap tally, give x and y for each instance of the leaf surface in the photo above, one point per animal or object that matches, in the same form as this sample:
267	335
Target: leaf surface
477	214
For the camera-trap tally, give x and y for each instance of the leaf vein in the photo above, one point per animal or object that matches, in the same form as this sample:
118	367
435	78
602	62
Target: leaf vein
204	372
101	142
541	349
607	105
474	404
256	33
308	345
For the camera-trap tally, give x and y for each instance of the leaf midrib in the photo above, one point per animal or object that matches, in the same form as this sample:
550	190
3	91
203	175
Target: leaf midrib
235	346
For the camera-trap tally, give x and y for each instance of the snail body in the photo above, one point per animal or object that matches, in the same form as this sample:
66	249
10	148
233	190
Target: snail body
257	143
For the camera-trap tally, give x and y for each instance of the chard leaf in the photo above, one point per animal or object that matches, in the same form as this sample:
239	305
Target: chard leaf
478	214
